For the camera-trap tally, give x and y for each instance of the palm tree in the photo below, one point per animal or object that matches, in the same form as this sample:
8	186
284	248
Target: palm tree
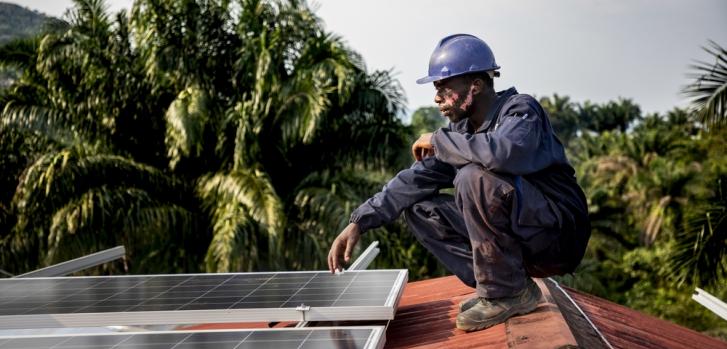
211	130
709	89
296	90
613	115
563	116
88	187
700	256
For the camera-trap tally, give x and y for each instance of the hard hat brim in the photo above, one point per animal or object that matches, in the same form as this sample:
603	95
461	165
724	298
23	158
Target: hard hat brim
428	79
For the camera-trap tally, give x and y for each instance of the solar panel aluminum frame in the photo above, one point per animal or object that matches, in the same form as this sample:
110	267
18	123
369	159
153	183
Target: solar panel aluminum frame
376	339
77	264
710	302
178	317
366	257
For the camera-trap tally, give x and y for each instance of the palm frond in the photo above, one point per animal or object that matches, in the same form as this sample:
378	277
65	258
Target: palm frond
322	204
390	97
240	202
57	177
700	254
47	122
19	53
324	200
186	119
246	140
104	217
709	89
78	78
64	179
90	17
249	188
305	100
367	127
234	245
328	58
324	70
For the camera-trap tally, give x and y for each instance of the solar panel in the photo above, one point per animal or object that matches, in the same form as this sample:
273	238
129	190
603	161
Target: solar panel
369	337
197	298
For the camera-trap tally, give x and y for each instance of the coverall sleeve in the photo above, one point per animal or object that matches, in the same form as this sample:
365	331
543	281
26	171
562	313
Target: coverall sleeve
514	147
408	187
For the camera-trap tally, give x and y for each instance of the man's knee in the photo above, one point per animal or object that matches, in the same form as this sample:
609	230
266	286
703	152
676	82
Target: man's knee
468	175
475	181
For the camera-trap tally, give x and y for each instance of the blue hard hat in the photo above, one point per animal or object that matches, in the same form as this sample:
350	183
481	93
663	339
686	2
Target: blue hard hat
459	54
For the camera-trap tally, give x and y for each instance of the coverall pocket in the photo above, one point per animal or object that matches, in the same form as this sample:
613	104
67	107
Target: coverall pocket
534	209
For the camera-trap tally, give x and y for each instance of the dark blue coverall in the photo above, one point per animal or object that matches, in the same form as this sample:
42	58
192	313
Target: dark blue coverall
517	209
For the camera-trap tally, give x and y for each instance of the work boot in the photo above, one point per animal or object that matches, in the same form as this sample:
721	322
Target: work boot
488	312
468	303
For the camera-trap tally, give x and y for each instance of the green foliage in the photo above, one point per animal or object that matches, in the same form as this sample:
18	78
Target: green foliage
657	220
563	116
203	135
243	204
613	115
700	256
427	119
655	188
657	295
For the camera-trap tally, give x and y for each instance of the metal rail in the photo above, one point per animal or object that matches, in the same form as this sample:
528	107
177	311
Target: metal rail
366	257
78	264
573	302
361	263
710	302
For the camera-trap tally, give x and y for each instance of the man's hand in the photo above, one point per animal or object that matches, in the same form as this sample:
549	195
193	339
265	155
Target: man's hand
423	147
343	245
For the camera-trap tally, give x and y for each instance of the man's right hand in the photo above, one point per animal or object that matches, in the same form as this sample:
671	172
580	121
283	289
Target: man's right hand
422	147
343	247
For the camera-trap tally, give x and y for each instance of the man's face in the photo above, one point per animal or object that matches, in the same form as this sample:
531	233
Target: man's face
454	97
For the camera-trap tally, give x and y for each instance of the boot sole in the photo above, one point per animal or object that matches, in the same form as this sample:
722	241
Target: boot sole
498	319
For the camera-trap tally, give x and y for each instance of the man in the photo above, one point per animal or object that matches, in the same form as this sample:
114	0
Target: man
517	211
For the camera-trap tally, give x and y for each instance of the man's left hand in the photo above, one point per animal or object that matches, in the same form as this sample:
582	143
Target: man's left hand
423	147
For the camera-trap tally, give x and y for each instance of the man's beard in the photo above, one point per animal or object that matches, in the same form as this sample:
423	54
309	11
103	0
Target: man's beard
456	117
461	109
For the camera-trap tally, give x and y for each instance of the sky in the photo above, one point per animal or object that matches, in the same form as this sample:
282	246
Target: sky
596	50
